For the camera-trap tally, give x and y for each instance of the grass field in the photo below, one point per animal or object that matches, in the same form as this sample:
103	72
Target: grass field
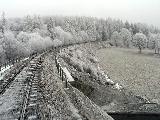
139	73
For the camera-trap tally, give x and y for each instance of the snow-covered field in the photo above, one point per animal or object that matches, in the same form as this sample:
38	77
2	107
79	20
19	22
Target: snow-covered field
139	73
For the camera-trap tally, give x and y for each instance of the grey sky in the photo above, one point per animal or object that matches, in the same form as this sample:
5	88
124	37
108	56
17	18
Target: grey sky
147	11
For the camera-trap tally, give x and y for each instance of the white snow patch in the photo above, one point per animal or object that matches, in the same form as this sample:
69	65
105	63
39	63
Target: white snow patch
106	77
3	70
25	58
109	81
117	86
68	75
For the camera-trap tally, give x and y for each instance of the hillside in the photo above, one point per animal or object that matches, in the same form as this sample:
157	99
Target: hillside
110	95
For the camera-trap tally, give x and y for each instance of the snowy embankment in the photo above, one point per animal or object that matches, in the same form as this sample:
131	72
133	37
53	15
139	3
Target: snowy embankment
83	60
61	102
96	84
56	99
4	70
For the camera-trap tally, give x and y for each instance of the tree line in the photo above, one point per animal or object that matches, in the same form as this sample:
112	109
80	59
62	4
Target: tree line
23	36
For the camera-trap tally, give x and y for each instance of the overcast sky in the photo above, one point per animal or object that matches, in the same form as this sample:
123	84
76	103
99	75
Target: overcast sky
146	11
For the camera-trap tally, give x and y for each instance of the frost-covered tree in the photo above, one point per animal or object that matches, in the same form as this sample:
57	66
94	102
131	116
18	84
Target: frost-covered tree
65	37
10	45
37	23
100	30
139	41
32	42
15	25
23	37
47	42
44	32
2	54
3	23
2	51
116	39
84	36
35	42
143	28
33	33
24	47
57	42
32	24
127	25
157	43
50	27
27	24
38	43
151	42
135	28
91	30
126	37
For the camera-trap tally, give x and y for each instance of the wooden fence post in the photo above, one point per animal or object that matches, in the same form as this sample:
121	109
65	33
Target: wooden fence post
66	83
57	68
60	71
13	61
62	75
55	60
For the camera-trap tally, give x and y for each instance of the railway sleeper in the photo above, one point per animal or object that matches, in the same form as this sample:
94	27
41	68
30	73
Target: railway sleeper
32	92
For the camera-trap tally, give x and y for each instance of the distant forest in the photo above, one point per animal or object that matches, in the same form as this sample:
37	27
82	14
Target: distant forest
23	36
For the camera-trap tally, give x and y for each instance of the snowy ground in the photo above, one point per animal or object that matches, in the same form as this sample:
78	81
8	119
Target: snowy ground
66	104
108	92
139	73
11	99
5	70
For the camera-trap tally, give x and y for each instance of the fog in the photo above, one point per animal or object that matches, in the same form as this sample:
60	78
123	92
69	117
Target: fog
146	11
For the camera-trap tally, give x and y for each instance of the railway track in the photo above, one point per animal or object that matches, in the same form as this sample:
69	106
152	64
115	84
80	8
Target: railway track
30	110
26	98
